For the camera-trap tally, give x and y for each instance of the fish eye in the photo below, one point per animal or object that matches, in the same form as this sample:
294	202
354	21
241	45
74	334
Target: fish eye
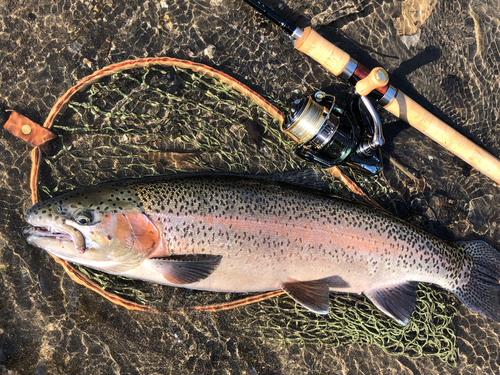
83	216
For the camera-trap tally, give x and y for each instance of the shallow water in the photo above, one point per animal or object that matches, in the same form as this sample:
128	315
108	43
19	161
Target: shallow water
50	325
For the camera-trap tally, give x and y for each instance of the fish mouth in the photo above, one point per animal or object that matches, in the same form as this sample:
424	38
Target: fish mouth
45	232
54	236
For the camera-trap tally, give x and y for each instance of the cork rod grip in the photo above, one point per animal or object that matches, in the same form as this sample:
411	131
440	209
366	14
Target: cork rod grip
321	50
336	60
418	117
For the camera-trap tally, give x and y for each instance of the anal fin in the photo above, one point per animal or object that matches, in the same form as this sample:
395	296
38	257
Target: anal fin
395	300
313	295
185	269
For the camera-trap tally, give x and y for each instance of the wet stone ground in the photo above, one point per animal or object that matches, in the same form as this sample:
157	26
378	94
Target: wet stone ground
51	325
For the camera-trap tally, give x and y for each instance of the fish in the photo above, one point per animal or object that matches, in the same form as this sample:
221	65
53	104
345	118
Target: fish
241	234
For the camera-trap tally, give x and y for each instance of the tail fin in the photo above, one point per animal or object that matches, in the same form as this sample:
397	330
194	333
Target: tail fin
482	292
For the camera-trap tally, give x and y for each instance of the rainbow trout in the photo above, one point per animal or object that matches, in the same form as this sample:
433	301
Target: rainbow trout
233	234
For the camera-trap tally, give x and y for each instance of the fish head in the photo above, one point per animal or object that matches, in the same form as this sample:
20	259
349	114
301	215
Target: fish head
104	227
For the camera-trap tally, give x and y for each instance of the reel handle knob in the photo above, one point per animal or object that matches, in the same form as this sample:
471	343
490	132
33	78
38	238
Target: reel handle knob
377	78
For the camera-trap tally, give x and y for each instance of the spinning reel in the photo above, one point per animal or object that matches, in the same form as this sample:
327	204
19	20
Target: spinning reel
329	135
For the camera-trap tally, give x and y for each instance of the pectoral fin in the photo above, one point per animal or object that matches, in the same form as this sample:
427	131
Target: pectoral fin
185	269
397	301
313	295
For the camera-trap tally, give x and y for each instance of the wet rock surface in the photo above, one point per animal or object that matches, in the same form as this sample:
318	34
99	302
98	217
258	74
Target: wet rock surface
50	325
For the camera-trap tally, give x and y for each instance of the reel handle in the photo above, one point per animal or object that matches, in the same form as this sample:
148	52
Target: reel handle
377	78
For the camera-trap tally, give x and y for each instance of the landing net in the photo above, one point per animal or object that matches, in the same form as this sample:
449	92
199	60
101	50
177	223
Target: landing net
161	116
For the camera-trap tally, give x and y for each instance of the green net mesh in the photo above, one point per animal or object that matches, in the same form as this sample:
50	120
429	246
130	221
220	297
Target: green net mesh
162	120
354	319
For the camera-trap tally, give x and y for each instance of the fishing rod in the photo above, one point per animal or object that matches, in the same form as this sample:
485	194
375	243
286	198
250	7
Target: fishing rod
304	127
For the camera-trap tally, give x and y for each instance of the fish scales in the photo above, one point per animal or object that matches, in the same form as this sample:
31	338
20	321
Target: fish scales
234	234
280	226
